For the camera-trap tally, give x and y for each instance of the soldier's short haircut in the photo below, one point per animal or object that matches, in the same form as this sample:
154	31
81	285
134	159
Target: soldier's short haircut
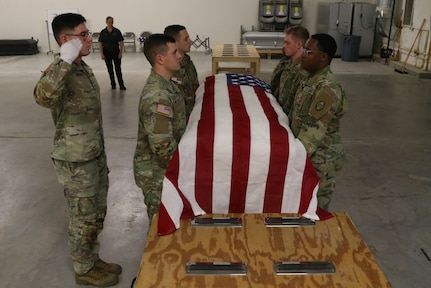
109	18
64	22
174	30
156	44
326	44
298	32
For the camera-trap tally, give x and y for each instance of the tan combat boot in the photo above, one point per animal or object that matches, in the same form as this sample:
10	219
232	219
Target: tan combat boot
108	267
97	277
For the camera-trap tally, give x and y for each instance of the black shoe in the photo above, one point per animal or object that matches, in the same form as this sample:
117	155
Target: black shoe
113	87
123	88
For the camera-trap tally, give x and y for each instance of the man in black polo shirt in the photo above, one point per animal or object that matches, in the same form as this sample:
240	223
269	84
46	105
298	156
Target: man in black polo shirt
111	50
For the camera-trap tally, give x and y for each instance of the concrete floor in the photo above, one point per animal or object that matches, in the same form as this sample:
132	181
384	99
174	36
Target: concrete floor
385	186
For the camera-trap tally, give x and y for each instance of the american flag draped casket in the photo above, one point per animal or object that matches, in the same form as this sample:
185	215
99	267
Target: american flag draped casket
237	155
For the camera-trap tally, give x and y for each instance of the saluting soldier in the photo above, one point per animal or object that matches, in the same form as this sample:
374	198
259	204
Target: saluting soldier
319	105
69	89
186	77
162	119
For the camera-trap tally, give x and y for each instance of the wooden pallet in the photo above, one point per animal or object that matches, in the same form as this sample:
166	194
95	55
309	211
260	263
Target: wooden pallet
236	55
269	52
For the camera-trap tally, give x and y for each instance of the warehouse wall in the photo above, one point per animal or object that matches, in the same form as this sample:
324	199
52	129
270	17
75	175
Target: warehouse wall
420	51
221	20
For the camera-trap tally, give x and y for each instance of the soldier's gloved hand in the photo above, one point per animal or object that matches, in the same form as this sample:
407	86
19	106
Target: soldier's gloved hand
69	51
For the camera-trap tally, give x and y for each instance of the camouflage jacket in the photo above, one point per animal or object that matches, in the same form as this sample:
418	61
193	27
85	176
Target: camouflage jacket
187	80
72	94
276	74
162	122
289	79
315	117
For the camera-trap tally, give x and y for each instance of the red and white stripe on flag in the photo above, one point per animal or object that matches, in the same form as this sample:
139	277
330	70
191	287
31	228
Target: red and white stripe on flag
237	155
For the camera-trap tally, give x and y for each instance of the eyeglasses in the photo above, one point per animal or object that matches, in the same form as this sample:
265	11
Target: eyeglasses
83	34
307	52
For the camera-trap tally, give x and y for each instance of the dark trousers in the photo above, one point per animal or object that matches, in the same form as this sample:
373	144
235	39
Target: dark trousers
112	57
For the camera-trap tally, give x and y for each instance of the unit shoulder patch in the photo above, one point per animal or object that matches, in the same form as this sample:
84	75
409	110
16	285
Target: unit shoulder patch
322	102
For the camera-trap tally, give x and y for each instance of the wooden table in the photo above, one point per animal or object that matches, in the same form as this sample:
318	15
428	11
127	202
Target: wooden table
337	240
236	54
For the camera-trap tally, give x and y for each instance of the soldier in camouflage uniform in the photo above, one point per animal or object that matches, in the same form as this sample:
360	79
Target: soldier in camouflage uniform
162	119
70	90
186	77
288	74
319	105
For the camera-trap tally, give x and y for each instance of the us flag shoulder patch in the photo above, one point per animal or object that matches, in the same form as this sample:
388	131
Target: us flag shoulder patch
163	109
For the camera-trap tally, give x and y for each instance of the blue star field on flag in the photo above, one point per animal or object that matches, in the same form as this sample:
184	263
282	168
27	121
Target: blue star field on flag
249	80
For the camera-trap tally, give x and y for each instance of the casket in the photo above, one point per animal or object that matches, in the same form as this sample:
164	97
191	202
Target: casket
263	40
237	155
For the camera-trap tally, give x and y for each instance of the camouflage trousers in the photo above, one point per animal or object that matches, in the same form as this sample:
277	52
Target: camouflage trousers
326	172
85	188
151	183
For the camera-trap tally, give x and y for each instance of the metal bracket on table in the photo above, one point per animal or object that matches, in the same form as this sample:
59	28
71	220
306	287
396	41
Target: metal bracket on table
227	268
288	221
218	221
287	268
